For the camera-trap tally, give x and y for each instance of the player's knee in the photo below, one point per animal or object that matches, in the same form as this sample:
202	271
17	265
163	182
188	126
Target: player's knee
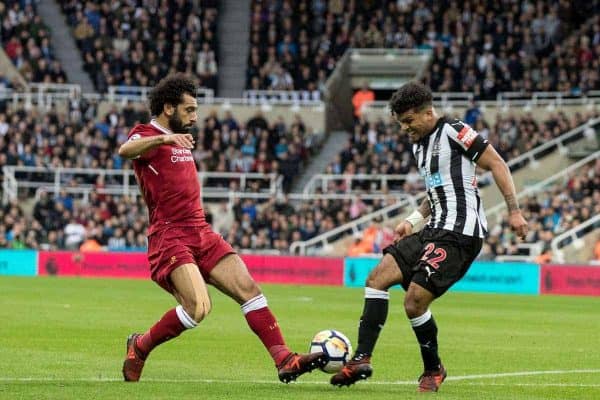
197	308
414	306
384	275
249	289
374	280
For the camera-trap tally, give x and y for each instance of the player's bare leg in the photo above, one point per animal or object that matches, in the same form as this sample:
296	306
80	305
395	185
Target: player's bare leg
190	291
374	315
231	276
416	305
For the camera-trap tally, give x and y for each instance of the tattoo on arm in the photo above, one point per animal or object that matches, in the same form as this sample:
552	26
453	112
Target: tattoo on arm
424	208
511	202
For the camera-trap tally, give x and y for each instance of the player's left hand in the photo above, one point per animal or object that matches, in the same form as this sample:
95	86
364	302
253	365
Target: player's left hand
402	230
518	223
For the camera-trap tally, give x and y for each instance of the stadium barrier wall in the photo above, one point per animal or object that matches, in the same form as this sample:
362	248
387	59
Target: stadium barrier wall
94	264
522	278
265	269
578	280
483	276
18	262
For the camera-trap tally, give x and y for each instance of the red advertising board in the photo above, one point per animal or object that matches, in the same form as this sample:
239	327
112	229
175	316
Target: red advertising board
570	280
96	264
296	270
265	269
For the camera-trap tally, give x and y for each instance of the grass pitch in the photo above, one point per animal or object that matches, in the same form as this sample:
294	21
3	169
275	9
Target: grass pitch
64	338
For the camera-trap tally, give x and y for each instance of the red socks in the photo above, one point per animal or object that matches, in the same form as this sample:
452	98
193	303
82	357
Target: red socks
265	326
168	327
257	313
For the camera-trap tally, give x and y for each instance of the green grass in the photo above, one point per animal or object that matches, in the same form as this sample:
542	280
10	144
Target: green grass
64	339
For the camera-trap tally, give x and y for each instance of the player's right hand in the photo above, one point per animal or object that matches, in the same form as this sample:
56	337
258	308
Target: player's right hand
402	230
184	140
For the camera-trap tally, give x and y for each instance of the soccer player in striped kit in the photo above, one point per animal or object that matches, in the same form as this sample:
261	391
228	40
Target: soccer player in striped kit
429	262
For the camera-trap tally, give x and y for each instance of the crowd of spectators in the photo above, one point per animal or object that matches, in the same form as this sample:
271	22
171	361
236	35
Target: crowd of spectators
378	147
549	213
277	223
138	43
26	41
80	140
478	46
225	145
61	222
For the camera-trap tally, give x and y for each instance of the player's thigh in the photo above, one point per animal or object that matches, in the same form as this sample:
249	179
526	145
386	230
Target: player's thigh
385	274
189	288
403	255
231	277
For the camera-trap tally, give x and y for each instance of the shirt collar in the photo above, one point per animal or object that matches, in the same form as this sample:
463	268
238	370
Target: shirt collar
161	128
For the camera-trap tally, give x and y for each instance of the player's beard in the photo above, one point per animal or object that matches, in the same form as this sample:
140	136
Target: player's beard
176	125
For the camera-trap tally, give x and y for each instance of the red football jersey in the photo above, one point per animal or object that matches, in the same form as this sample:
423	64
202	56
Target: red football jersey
168	180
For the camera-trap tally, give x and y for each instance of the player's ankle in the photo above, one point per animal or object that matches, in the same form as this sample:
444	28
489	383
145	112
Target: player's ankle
361	357
139	350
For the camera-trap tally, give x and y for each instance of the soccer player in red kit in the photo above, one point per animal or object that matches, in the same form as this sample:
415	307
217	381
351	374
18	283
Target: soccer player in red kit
183	251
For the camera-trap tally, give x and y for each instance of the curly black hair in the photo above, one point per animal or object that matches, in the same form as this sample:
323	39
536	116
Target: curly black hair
170	90
410	95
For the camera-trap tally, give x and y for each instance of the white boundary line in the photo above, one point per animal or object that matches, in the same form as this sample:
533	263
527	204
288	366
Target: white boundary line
269	382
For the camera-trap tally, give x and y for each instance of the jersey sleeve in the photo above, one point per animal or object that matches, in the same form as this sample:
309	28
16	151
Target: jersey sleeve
138	133
469	141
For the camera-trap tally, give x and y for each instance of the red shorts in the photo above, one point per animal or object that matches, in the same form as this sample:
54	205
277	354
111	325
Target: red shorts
172	247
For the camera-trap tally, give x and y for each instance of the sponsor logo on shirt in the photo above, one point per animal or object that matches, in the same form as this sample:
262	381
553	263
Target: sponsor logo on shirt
467	136
431	180
181	155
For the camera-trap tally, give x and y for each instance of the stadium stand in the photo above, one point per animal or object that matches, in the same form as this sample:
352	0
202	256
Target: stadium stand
30	138
26	41
478	46
550	213
137	44
377	147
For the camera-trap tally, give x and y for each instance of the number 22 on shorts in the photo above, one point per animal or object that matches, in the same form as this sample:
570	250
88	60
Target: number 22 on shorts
433	255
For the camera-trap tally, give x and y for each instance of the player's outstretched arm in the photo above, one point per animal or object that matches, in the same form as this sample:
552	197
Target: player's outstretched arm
490	160
135	147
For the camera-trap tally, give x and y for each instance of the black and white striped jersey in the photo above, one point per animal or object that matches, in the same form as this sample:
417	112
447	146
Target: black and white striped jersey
446	160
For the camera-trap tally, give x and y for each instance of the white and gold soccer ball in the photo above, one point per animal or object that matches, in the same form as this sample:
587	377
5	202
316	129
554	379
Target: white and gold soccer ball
336	347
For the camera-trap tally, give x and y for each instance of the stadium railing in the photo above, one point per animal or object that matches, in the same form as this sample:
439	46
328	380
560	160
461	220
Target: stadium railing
357	225
120	93
383	182
505	100
123	183
530	158
571	236
281	96
530	250
45	95
302	247
533	189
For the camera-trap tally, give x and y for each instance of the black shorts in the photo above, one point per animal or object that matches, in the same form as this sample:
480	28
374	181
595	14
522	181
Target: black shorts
434	258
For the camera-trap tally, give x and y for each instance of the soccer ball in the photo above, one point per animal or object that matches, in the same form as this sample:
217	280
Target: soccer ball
335	345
